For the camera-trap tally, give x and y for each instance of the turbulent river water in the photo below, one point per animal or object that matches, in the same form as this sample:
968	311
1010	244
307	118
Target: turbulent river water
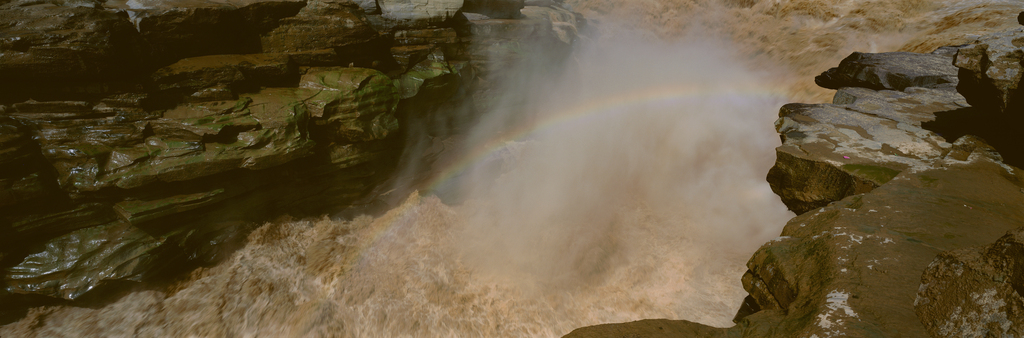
635	189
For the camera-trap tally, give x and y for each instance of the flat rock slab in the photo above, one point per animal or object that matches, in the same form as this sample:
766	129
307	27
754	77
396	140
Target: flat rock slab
831	151
893	71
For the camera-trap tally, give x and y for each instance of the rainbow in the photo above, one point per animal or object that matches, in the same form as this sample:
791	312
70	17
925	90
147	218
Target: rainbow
663	96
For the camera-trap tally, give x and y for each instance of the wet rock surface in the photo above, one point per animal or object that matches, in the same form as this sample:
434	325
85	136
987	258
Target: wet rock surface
140	138
901	232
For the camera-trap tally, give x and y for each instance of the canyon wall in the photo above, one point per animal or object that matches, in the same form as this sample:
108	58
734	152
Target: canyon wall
142	138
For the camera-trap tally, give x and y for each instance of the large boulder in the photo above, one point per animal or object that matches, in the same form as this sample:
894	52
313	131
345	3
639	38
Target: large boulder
859	142
990	73
975	292
893	71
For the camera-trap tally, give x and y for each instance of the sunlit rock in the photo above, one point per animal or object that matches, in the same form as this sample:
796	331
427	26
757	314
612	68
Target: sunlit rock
861	141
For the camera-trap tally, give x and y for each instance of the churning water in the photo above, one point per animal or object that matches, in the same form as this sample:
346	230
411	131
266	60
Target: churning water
632	186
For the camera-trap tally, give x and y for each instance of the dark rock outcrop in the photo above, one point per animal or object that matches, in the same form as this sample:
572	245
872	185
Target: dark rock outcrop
893	71
859	142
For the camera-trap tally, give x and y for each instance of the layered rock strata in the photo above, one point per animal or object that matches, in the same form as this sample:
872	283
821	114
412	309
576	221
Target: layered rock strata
140	137
896	223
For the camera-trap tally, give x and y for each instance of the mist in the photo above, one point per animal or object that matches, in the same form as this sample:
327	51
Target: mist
642	150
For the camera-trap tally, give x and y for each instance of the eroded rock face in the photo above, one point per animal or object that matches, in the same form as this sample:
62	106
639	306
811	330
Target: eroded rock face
975	292
991	71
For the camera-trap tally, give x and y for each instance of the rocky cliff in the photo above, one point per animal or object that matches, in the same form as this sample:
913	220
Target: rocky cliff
140	137
909	223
